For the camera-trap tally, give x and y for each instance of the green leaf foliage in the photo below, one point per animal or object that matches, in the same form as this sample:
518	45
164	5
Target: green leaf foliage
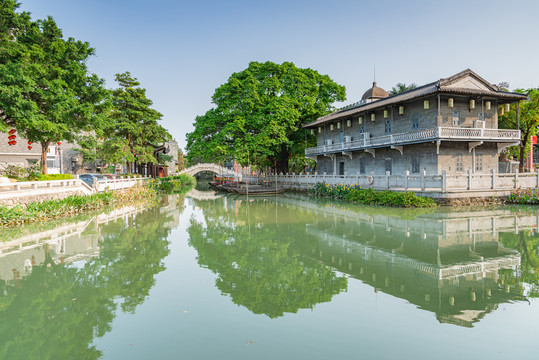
527	113
133	128
355	194
259	113
46	91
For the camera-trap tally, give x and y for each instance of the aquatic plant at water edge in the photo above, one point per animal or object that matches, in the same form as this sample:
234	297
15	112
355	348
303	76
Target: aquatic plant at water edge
175	183
354	193
524	196
70	205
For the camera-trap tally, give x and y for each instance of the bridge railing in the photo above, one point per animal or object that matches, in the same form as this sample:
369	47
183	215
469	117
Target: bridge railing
217	169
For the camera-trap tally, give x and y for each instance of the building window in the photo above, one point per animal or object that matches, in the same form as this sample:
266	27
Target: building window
478	162
388	166
341	168
362	129
415	121
456	118
50	163
388	126
481	116
362	165
415	164
458	165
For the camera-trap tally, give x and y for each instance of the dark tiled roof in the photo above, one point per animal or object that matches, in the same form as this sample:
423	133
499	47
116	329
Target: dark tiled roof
440	86
375	93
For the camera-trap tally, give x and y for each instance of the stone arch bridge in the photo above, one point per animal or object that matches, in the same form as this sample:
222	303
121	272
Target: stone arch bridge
214	168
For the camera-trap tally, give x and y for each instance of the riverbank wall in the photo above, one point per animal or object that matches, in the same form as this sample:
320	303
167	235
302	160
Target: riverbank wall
26	192
445	197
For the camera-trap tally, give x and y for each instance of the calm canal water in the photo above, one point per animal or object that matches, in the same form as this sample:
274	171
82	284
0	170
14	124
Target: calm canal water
284	277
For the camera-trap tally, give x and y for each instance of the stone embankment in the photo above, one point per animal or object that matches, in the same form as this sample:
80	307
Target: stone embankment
23	193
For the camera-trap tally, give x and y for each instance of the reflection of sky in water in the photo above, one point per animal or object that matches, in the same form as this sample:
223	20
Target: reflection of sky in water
270	274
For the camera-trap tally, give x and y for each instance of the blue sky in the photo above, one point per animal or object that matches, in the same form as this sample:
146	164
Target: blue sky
182	50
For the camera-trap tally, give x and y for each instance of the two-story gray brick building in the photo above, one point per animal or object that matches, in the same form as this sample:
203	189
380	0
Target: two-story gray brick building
450	124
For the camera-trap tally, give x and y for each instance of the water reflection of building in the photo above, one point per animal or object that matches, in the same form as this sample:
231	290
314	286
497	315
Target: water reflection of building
65	243
72	241
448	263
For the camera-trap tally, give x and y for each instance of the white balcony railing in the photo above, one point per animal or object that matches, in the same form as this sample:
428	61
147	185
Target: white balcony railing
441	133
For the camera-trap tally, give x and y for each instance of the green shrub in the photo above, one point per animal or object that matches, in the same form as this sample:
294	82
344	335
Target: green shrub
49	177
15	172
355	194
170	185
187	180
524	197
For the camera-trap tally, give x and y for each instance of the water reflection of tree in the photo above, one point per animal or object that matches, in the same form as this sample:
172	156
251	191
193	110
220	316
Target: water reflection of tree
56	311
254	251
527	244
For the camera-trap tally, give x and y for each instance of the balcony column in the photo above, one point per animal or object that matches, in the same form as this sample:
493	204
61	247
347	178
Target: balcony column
406	175
439	117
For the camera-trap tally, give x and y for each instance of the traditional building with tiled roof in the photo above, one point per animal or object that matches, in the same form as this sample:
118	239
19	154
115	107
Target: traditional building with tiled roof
448	125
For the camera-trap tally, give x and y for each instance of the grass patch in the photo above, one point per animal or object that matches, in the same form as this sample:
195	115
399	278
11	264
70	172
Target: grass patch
355	194
49	177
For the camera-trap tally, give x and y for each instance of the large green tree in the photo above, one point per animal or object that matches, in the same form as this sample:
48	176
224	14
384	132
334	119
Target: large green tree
527	113
133	128
46	91
259	113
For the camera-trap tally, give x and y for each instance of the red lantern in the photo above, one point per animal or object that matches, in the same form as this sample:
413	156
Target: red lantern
59	143
12	131
11	137
29	148
14	142
29	143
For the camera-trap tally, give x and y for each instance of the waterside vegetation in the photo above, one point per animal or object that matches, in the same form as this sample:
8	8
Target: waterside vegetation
71	205
524	197
178	183
355	194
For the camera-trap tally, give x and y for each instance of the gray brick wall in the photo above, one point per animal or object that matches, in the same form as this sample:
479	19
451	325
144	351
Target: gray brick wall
467	116
450	152
426	153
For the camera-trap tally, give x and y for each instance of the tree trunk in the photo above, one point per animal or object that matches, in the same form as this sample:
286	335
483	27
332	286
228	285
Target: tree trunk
283	164
521	157
44	151
128	166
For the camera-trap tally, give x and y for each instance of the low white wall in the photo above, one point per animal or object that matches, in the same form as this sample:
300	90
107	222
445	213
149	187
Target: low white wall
415	182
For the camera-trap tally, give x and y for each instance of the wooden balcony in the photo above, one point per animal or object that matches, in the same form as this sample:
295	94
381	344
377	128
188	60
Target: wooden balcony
434	134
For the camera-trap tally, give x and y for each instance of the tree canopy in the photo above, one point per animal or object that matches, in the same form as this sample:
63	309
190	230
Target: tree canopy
132	129
400	88
259	113
527	113
46	91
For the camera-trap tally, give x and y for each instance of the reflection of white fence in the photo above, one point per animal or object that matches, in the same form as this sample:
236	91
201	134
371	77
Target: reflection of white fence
422	181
